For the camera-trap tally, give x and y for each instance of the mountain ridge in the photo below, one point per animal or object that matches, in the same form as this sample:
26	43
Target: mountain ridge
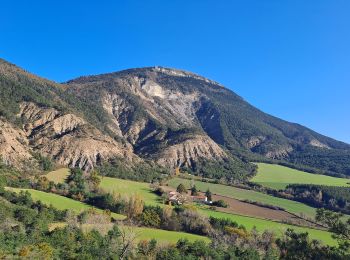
167	116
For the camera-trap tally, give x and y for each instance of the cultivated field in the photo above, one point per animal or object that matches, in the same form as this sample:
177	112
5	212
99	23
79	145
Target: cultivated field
61	202
58	176
247	209
128	188
242	194
278	177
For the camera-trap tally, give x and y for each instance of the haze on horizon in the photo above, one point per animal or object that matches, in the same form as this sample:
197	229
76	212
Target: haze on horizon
289	59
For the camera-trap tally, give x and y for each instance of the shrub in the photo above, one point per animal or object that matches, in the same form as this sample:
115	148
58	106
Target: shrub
220	203
181	188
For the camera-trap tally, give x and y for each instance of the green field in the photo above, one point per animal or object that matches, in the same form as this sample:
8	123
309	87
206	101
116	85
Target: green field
128	188
162	236
58	176
278	177
132	187
144	233
242	194
165	235
278	228
60	202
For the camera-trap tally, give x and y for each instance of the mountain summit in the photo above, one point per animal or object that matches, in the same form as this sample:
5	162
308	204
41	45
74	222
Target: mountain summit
164	116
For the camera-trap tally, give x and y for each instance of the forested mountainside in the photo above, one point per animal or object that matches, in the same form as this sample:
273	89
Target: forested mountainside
153	116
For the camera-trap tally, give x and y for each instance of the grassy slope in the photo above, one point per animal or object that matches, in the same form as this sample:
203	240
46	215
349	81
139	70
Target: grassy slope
166	236
131	187
144	233
61	202
242	194
126	187
278	177
278	228
58	176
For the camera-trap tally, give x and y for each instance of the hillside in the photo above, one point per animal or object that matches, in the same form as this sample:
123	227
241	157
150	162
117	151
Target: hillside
162	111
161	116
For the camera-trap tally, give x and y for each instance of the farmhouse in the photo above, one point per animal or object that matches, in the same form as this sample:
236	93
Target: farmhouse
199	198
173	196
176	198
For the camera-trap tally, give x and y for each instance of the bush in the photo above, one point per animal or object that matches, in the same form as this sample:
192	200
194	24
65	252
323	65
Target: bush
151	216
181	188
220	203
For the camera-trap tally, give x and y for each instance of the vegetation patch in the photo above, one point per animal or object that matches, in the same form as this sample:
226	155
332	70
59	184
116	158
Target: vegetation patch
278	177
279	228
58	176
128	188
61	202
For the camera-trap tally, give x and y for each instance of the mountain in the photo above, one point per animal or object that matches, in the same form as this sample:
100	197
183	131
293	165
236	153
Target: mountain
162	116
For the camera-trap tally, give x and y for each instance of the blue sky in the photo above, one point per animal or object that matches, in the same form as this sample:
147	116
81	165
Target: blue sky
289	58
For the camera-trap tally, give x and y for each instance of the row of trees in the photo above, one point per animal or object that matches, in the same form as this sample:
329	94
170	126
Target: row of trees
333	198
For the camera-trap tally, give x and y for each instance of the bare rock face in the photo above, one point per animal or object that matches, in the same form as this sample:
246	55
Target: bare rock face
255	141
68	139
279	153
189	151
316	143
14	148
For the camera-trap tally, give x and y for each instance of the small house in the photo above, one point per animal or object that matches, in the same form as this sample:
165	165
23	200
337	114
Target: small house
199	198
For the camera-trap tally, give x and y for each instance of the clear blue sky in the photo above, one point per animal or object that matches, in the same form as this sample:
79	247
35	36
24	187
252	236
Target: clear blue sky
288	58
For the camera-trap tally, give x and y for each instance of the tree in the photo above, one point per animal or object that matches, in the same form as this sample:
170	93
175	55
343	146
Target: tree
94	180
134	207
340	228
151	216
128	236
147	249
194	191
77	183
208	194
43	183
220	203
298	246
181	188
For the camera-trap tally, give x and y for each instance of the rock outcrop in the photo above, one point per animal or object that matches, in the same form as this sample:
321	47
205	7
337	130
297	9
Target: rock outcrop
68	139
14	145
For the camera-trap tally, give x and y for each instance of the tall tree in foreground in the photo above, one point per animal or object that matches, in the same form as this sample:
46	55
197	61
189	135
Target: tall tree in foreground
339	227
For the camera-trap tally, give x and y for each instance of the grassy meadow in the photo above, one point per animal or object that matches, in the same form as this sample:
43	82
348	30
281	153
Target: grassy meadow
61	202
58	176
242	194
142	233
278	177
128	188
